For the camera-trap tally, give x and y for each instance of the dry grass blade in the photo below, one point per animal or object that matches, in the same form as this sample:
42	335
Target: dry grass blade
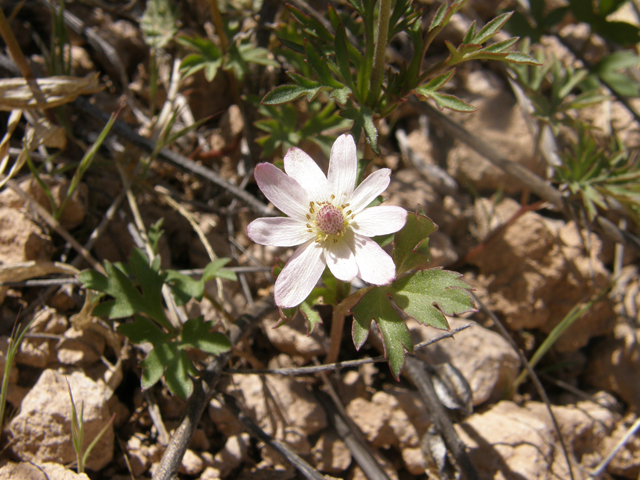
17	93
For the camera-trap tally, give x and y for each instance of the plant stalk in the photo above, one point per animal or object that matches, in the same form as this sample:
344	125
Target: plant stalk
377	74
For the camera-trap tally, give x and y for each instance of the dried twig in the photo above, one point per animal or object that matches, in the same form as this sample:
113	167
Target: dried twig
306	470
419	376
623	441
130	135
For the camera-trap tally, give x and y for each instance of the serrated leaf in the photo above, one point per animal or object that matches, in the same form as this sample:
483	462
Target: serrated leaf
196	333
426	296
184	287
430	294
143	330
177	372
411	246
214	269
375	306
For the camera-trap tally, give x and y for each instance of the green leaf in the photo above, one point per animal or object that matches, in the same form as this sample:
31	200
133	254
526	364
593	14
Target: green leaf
319	64
375	306
363	120
177	374
411	246
312	316
196	333
491	28
341	95
427	296
342	58
520	58
451	102
436	83
159	22
288	93
143	330
155	233
214	269
184	287
152	367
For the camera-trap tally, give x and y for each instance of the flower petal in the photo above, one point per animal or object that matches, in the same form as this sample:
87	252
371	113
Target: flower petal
369	189
341	260
283	191
299	275
374	264
307	173
343	168
278	231
380	220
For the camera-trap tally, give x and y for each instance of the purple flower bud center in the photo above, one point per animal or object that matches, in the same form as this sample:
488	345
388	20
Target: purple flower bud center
330	220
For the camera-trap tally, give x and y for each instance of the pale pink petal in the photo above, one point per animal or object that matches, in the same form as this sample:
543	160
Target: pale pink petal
279	231
343	168
340	259
374	264
283	191
380	220
307	173
299	275
369	189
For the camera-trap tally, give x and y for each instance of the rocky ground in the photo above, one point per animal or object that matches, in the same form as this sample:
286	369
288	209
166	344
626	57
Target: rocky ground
528	263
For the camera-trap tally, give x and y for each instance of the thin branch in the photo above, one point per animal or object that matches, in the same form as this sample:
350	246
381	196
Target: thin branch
419	376
306	470
149	146
346	364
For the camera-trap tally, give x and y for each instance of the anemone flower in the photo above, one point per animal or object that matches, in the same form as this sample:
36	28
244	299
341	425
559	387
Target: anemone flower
328	217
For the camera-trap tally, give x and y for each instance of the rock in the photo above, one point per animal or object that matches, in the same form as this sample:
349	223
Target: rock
394	417
141	455
191	463
80	347
626	463
21	239
508	442
41	431
264	395
225	421
291	338
485	359
534	272
229	458
40	352
29	471
498	122
75	210
614	364
331	454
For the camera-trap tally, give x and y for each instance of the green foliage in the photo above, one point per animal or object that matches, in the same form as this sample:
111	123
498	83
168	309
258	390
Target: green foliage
169	353
612	70
539	22
141	297
282	125
595	13
208	57
159	23
426	295
340	60
551	87
596	172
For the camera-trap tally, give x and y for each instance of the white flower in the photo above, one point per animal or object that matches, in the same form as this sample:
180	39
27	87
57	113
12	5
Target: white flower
328	219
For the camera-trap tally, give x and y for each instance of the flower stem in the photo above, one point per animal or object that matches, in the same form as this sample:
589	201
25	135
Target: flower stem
381	47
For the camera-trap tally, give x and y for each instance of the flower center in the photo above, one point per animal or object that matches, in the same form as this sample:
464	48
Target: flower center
330	220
